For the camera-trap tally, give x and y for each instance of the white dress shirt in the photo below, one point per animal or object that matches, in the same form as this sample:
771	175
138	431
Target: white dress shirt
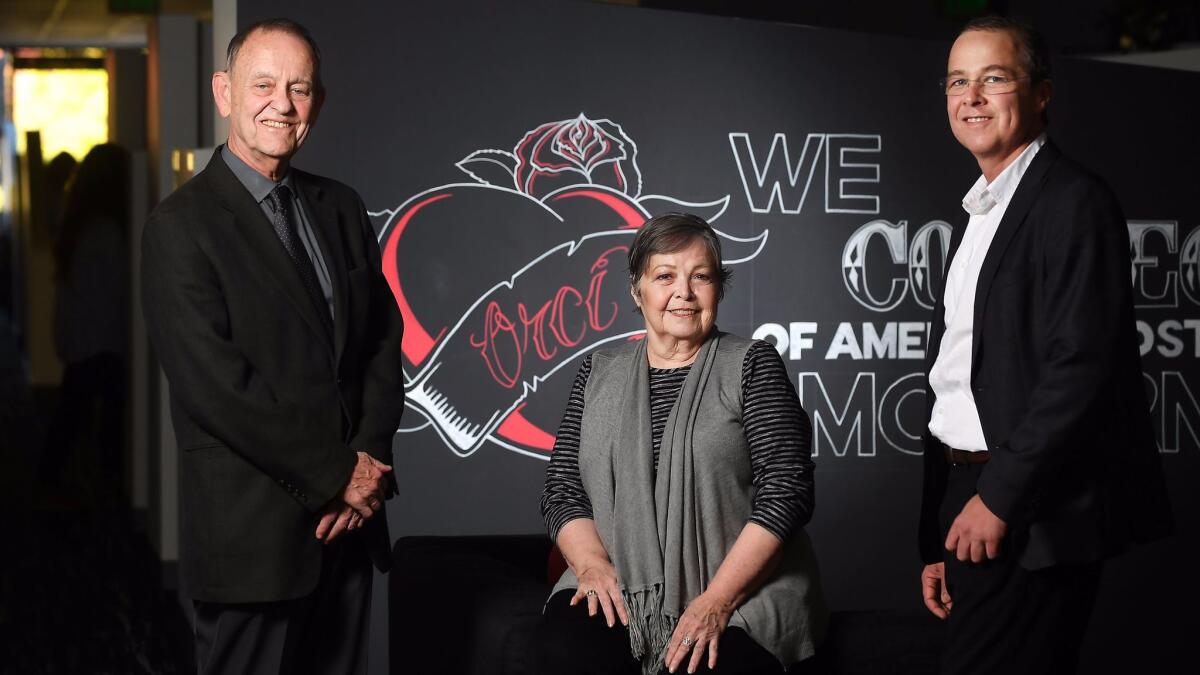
955	419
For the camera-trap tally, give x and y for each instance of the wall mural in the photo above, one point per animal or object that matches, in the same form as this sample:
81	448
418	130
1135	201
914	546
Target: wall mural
562	206
569	197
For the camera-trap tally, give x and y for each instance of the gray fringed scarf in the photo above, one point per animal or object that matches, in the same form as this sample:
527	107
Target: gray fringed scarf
659	565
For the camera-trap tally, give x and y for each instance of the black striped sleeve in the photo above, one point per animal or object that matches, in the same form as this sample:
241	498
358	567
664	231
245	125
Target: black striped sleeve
780	437
563	497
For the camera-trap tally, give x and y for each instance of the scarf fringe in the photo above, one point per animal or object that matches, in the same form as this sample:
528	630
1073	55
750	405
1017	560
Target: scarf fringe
650	629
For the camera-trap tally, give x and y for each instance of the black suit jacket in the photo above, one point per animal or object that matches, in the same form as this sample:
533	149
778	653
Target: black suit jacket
269	409
1057	378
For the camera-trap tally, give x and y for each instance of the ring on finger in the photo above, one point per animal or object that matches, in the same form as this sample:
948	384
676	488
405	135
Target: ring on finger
687	641
591	593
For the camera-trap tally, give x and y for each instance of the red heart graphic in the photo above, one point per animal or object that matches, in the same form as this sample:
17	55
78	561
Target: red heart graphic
447	249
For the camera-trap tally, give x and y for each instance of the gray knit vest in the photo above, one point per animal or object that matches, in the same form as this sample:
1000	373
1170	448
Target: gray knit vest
787	615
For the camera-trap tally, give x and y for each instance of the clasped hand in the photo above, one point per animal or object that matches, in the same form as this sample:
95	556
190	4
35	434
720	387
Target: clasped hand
360	499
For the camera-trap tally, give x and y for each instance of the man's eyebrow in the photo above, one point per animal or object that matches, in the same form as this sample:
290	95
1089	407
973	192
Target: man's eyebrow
994	66
271	76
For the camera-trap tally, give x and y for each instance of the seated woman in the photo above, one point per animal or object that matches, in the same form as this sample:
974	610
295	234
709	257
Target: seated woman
679	487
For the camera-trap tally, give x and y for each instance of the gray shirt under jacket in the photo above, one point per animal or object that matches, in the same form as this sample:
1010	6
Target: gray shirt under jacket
259	187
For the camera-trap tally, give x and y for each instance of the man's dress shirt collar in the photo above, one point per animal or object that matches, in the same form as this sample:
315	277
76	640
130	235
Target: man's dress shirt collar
257	184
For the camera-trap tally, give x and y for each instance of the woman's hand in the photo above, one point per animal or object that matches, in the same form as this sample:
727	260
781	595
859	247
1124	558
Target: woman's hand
598	585
698	631
747	565
581	546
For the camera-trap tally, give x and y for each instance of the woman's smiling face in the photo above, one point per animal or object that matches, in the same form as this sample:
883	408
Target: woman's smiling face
678	292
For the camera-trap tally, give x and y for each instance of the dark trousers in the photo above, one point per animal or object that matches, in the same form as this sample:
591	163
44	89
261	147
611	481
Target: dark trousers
323	632
1007	619
569	642
94	386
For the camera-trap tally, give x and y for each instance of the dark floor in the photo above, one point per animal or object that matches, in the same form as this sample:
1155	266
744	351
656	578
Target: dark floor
80	585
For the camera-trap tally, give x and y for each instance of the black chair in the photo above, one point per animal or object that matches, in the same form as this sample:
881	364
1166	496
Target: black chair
468	606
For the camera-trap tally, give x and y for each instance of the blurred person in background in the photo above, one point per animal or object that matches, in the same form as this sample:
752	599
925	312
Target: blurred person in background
58	173
91	314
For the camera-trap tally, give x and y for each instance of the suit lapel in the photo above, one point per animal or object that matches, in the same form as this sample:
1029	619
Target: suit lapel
938	327
1014	216
956	237
251	223
323	216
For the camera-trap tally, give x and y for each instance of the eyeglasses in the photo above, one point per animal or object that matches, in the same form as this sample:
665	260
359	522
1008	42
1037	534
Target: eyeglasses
988	84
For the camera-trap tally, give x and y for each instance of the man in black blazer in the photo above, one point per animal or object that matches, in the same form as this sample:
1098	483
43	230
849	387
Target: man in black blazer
266	305
1040	460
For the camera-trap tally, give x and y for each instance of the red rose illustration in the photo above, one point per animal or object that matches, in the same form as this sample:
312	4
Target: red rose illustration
579	151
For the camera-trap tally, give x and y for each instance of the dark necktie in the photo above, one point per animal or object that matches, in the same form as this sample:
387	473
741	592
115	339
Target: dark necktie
284	221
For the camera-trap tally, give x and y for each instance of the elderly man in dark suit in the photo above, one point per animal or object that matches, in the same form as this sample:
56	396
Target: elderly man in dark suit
280	339
1040	460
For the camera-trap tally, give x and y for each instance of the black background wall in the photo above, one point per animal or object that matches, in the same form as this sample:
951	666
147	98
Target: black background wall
826	159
